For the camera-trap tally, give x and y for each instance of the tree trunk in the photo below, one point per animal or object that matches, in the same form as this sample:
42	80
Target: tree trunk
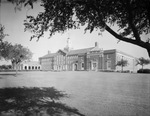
142	68
14	66
148	50
121	68
16	69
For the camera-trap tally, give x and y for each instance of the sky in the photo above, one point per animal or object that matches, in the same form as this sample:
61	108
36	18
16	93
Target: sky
13	22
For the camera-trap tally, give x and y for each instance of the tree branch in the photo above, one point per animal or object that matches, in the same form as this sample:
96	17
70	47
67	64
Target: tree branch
131	24
142	44
119	36
148	11
137	40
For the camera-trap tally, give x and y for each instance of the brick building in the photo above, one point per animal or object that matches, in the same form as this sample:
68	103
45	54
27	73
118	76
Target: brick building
93	58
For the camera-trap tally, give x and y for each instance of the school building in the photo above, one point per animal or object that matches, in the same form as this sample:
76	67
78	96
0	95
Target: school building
88	59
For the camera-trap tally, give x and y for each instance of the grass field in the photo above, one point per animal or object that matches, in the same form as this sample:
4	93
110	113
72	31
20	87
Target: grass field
92	93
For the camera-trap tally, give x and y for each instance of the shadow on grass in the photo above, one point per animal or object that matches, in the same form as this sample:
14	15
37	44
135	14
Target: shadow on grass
2	75
8	74
5	75
34	101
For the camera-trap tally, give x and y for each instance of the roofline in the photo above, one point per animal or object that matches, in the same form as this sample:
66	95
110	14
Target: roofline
118	51
47	56
109	51
105	51
79	49
62	51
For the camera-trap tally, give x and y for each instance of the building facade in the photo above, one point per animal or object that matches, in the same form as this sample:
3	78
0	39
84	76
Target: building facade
28	66
89	59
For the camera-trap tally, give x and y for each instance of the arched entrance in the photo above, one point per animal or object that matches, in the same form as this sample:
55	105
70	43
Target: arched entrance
94	65
29	67
25	67
75	67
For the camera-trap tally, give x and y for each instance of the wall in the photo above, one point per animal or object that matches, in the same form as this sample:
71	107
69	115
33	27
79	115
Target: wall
81	59
109	57
29	66
47	63
131	62
112	56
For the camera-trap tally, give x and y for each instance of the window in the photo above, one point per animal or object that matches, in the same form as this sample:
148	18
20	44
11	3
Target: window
94	59
29	67
94	65
25	67
82	59
32	67
82	65
101	55
108	64
108	56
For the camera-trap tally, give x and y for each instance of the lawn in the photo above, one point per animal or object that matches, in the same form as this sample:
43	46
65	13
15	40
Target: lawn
92	93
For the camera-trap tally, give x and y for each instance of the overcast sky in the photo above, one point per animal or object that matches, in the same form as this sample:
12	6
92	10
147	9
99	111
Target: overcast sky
13	22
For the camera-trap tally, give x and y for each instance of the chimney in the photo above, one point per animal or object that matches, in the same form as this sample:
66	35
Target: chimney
49	52
96	44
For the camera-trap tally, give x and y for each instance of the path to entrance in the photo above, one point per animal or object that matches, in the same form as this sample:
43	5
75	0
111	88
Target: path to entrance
93	93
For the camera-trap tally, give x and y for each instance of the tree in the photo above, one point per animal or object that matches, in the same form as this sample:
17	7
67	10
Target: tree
4	50
17	54
131	16
122	63
5	67
34	101
142	61
2	33
4	45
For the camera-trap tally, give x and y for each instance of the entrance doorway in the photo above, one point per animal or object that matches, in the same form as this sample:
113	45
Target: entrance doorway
109	65
75	67
94	66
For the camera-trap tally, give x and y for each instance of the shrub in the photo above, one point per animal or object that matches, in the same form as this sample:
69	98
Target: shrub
106	70
126	71
143	71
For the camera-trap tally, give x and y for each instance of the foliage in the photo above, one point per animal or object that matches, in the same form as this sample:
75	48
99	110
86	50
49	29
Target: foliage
131	16
143	71
18	53
122	63
142	61
2	33
5	67
5	48
34	100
